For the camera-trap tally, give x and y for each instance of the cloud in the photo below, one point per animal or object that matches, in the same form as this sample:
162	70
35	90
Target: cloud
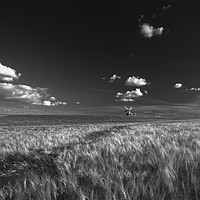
146	30
135	81
149	31
50	103
178	85
59	103
23	93
158	31
8	74
194	89
27	94
128	95
47	103
112	78
53	98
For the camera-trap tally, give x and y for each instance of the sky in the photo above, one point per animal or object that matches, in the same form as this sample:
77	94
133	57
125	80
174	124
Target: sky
83	54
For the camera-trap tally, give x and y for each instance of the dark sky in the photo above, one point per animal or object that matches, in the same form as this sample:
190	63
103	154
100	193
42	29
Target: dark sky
73	49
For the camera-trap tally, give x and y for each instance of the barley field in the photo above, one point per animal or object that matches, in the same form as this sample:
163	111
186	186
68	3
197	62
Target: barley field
141	160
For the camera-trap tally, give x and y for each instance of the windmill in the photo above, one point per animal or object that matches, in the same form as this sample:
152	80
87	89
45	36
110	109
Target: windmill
128	111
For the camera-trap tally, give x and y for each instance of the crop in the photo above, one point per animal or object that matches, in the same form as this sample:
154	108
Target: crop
110	161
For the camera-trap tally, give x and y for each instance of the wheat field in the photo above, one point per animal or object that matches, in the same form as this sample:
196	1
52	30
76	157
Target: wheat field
105	161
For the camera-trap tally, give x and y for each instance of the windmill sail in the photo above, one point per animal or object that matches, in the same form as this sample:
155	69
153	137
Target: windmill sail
127	111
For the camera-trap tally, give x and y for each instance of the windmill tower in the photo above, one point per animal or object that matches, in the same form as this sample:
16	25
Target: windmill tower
128	111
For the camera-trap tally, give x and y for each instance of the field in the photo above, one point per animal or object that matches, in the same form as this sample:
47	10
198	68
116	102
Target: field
52	157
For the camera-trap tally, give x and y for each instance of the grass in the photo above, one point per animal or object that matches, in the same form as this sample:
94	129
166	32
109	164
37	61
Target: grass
124	161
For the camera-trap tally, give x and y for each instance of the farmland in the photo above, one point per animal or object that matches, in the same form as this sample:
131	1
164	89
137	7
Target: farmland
110	159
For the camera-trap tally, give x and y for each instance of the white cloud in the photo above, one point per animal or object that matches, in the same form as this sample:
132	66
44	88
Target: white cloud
149	31
50	103
125	99
195	89
27	94
146	30
135	81
59	103
113	78
178	85
158	31
8	74
47	103
24	93
53	98
128	95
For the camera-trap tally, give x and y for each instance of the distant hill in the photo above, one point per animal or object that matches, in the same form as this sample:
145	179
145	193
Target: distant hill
147	111
139	111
